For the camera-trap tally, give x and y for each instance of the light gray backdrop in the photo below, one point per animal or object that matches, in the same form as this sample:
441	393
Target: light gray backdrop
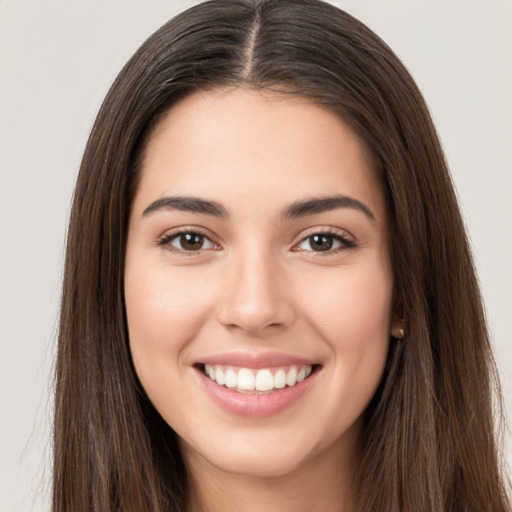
57	59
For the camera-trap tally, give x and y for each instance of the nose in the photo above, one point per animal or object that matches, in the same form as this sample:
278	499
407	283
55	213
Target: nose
256	298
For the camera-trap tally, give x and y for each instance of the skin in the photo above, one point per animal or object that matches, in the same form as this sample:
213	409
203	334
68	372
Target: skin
256	285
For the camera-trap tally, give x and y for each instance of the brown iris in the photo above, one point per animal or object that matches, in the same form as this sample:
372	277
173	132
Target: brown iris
321	242
191	241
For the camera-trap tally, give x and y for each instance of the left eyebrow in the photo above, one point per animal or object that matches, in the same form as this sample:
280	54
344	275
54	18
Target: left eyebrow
325	204
186	204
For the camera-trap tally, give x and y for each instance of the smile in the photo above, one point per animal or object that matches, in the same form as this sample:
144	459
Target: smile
256	385
257	381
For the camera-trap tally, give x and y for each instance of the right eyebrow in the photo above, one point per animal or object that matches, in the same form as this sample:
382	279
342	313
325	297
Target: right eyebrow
325	204
187	204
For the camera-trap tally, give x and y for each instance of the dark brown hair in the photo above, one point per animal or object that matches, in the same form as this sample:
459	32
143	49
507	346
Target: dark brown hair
429	435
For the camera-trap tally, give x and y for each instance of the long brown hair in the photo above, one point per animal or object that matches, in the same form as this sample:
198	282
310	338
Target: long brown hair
429	439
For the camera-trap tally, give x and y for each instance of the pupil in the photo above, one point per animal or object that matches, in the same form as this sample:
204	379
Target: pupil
191	241
321	242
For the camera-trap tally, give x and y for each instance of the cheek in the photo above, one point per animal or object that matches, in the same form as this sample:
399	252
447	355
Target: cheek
353	320
351	304
352	313
164	311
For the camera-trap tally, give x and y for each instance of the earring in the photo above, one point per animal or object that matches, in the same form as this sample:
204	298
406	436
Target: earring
398	332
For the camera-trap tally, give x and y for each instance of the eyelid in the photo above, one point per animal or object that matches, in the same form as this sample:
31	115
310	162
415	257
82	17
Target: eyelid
167	236
347	241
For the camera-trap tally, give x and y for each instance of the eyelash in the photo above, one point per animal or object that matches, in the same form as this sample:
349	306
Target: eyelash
166	240
344	241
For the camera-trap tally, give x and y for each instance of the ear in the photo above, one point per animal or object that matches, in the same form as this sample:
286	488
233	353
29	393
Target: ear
398	328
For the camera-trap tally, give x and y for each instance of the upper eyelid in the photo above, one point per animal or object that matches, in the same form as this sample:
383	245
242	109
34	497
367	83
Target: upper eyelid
164	242
303	235
174	232
321	230
344	237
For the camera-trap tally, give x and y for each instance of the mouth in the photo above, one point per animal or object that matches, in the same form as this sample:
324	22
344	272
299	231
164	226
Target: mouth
257	381
256	385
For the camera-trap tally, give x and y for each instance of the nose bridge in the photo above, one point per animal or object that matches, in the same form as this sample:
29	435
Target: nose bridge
255	298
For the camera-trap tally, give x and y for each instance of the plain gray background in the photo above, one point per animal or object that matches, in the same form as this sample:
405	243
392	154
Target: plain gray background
57	60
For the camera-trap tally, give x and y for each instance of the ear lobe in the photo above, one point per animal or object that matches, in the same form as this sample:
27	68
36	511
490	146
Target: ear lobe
398	328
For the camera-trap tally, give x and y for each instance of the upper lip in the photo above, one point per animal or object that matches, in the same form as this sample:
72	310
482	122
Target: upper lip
249	360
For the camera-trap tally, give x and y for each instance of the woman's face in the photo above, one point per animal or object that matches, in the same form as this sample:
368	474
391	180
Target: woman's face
258	281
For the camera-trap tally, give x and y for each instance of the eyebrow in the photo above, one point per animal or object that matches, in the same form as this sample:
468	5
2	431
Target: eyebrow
187	204
325	204
295	210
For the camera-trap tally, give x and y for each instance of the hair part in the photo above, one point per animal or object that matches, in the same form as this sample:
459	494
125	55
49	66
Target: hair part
429	439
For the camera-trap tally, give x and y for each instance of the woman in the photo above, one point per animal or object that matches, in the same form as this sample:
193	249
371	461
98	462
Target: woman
269	299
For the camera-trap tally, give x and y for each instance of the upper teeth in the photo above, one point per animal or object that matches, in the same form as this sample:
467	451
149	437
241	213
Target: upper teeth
264	379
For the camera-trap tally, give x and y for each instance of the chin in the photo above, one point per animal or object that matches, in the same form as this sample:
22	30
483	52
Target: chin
248	463
271	452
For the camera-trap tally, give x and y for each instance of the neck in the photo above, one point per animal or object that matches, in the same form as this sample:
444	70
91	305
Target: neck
325	483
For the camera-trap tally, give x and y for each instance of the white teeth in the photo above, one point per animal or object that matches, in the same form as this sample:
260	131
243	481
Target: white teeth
231	378
210	370
262	380
219	376
291	377
245	379
280	379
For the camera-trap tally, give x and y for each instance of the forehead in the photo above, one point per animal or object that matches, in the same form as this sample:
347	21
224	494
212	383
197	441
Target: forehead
234	143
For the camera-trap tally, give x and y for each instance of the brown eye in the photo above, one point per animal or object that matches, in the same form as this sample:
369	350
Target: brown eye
188	241
191	241
321	243
325	242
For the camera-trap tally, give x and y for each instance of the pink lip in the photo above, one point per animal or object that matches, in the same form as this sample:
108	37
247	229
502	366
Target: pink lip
254	405
255	361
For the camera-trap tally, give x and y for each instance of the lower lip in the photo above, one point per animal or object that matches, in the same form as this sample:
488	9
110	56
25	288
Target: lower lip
255	405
